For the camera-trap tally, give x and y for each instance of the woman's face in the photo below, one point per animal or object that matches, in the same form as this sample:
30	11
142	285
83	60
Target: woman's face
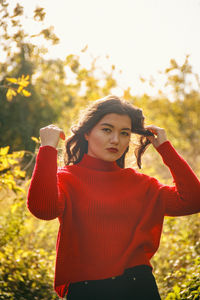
110	137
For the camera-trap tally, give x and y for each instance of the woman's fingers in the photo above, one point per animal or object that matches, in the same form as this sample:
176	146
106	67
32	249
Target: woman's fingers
154	128
62	135
159	135
50	135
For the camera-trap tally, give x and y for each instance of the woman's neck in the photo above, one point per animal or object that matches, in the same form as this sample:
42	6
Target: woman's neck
98	164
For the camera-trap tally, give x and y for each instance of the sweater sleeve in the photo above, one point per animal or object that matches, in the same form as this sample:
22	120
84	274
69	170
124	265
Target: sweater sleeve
46	199
184	197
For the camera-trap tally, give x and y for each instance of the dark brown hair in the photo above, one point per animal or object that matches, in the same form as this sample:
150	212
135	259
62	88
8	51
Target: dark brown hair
76	145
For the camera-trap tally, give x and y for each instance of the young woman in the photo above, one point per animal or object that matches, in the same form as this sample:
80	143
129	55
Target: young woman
110	216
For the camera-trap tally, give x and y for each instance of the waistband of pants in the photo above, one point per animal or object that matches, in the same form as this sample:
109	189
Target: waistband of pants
130	273
137	271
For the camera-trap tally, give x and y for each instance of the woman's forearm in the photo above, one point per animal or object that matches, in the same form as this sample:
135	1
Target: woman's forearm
187	183
43	199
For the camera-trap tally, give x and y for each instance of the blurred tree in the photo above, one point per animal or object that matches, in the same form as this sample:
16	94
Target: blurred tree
22	117
88	84
179	117
181	79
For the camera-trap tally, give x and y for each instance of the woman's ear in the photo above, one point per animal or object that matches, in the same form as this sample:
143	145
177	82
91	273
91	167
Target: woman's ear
86	136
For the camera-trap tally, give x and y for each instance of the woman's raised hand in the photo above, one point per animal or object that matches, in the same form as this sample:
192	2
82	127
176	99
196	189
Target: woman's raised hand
50	135
159	135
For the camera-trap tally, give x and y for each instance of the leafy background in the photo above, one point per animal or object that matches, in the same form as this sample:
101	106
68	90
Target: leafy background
35	92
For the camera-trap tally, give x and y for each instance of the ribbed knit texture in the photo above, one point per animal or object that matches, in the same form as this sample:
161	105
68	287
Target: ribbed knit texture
110	218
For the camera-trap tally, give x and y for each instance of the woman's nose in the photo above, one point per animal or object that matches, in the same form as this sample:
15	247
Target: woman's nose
115	139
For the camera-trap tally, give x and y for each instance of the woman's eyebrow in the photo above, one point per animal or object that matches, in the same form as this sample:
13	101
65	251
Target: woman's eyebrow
110	125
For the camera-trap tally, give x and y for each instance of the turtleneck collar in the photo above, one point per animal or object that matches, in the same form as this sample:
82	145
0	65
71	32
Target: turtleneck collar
98	164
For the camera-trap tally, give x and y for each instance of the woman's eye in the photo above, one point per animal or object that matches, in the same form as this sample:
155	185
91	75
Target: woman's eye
106	129
125	133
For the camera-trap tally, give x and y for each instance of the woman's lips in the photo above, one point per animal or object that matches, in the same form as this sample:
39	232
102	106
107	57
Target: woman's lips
113	150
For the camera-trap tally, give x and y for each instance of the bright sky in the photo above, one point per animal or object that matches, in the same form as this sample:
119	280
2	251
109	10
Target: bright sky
139	36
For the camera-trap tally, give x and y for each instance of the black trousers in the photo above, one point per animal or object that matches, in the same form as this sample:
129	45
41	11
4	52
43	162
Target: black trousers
137	283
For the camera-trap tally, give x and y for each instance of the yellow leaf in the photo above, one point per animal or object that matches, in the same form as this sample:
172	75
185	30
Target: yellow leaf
10	183
13	80
14	207
10	93
23	81
11	161
20	88
18	173
4	150
18	154
35	139
26	93
27	77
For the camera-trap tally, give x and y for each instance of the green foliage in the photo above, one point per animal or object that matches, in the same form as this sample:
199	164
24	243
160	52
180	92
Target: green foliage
178	275
26	269
9	167
25	274
189	288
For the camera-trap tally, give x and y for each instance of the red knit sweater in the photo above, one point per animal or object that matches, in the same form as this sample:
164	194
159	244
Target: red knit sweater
110	218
